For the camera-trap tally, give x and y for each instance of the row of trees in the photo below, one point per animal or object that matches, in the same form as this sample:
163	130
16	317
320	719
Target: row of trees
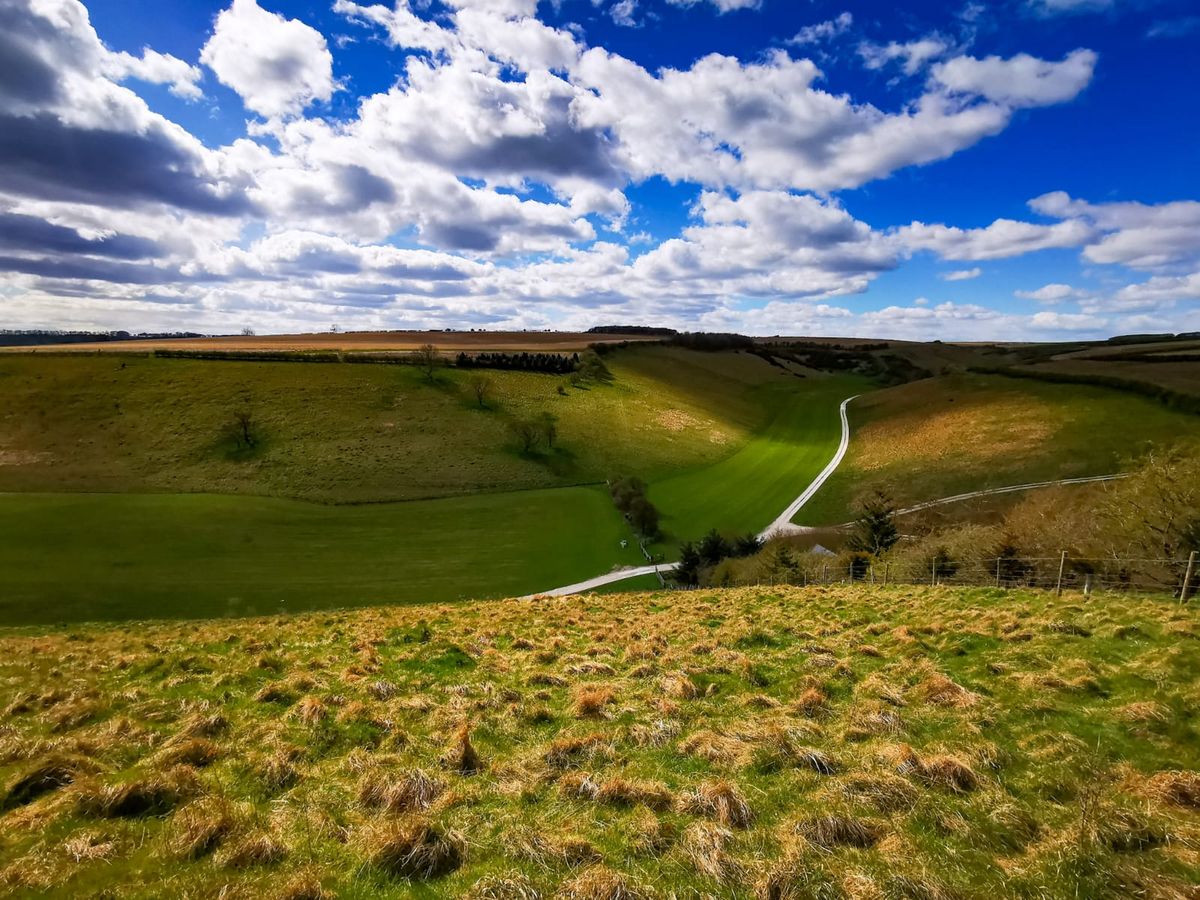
551	363
629	496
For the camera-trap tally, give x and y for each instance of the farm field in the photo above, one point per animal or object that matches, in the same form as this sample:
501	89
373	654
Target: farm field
956	433
72	557
833	742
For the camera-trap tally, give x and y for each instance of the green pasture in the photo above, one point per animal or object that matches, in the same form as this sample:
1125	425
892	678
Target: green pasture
78	557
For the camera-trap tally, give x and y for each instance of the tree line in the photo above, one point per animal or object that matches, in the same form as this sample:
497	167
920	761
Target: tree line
629	496
550	363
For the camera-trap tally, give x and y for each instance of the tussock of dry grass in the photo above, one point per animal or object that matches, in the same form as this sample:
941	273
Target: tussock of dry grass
721	801
705	744
413	848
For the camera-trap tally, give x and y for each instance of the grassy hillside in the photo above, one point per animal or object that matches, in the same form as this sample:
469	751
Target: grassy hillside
822	743
957	433
353	433
746	437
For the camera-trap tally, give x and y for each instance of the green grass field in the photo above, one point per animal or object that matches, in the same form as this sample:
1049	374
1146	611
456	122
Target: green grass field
72	557
846	743
745	492
957	433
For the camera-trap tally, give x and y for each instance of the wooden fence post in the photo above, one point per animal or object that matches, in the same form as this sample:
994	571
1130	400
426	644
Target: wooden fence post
933	572
1062	565
1187	578
997	571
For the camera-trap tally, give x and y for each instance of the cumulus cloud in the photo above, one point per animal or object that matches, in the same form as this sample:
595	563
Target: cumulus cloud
277	66
1002	239
156	68
1019	81
1051	294
1138	235
500	159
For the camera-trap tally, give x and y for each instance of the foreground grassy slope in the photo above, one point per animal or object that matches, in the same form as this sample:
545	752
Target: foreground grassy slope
802	743
957	433
73	557
354	433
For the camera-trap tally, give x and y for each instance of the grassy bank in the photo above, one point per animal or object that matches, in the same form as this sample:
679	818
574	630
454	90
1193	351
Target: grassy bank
957	433
750	743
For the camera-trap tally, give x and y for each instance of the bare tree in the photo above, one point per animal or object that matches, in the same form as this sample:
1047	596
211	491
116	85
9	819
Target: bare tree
548	425
428	359
247	331
481	386
243	428
526	432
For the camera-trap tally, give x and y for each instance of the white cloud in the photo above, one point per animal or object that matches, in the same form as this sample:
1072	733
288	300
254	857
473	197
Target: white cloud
156	68
1049	8
961	274
913	54
1002	239
1051	294
823	31
1056	321
622	13
1138	235
723	6
1019	81
277	66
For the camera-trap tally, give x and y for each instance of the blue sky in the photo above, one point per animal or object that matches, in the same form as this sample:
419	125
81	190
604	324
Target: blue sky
1020	170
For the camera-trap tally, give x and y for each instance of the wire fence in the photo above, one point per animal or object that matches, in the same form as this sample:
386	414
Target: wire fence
1179	577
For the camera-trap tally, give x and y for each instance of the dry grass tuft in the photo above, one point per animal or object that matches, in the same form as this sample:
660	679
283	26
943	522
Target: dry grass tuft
412	791
570	752
1181	788
679	685
413	848
590	701
507	886
716	748
567	850
197	829
832	831
601	883
812	703
310	710
705	845
198	752
620	791
303	886
946	772
155	795
722	801
461	755
941	691
47	774
255	849
884	791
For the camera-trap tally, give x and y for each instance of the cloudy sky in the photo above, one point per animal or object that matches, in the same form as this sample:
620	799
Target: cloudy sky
953	170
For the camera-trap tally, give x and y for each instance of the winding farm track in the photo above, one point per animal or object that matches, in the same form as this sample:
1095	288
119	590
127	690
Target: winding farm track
781	525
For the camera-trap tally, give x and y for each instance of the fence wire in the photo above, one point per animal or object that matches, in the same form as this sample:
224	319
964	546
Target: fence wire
1178	577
